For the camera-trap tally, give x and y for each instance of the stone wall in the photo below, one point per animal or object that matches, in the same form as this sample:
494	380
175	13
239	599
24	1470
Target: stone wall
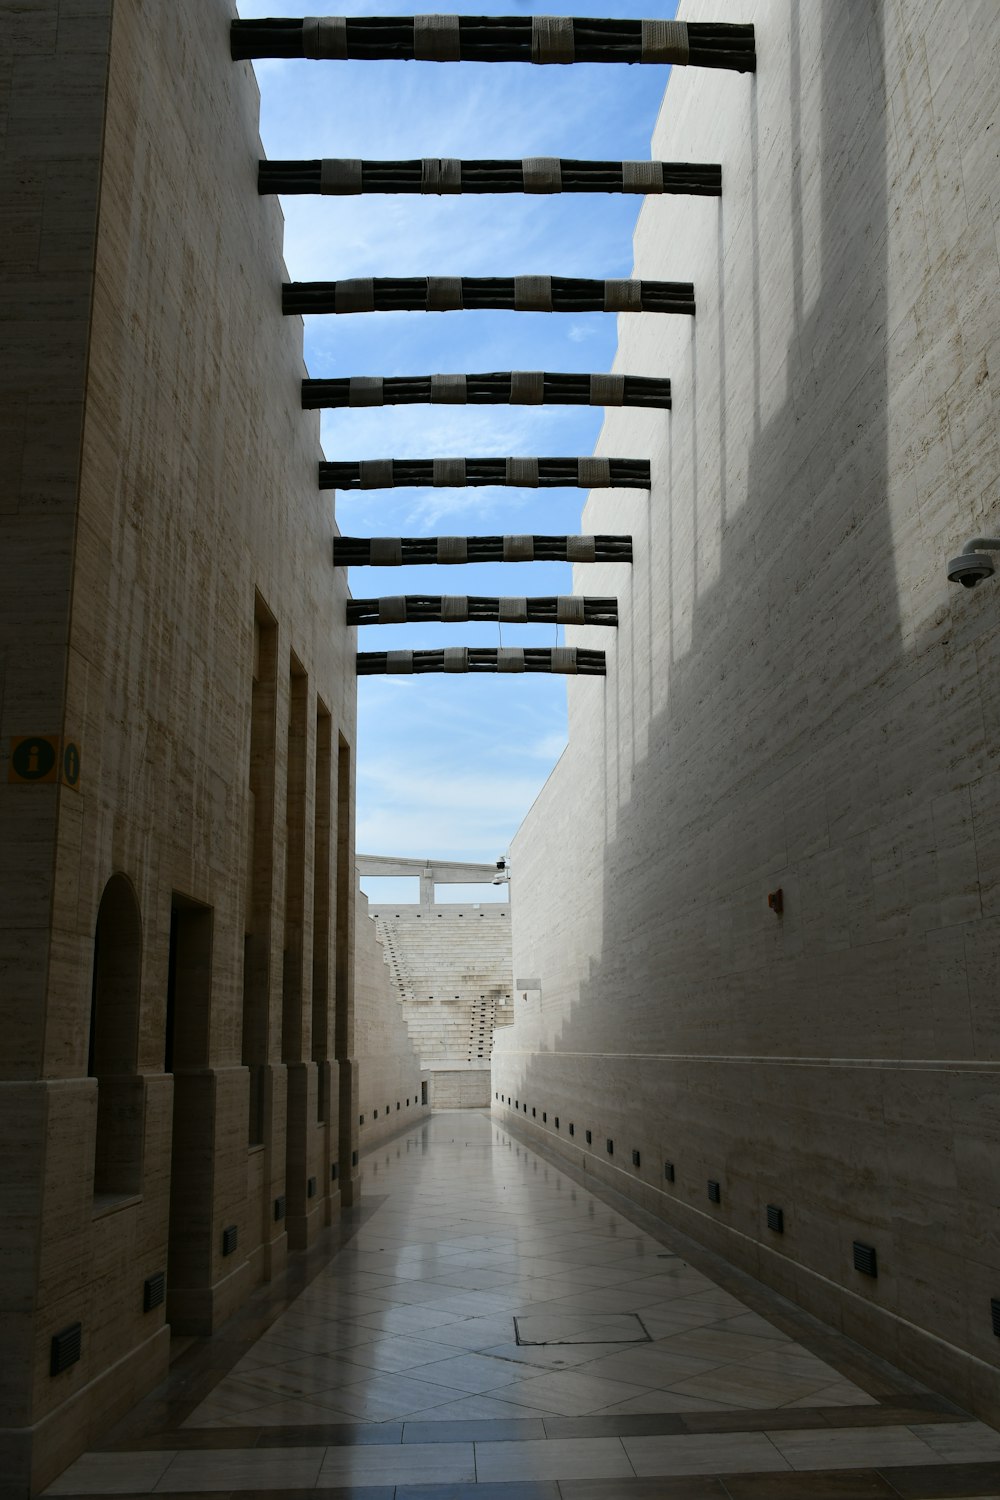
798	699
170	608
389	1070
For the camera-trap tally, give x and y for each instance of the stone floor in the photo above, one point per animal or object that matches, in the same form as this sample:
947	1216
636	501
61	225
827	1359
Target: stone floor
484	1326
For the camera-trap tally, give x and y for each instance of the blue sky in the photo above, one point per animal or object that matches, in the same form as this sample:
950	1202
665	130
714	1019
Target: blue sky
448	766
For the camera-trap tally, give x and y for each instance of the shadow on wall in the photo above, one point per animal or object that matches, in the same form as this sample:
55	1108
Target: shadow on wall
804	743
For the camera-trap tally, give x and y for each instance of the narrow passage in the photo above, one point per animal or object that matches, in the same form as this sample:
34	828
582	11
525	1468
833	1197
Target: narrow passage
492	1329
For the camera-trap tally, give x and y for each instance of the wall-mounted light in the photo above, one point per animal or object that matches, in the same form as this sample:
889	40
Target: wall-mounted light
972	567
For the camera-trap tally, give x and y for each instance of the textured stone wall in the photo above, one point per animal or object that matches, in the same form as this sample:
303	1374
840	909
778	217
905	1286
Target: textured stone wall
797	698
389	1070
164	507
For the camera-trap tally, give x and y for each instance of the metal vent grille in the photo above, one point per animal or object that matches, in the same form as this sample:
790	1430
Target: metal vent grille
572	1129
354	1158
557	1122
609	1143
66	1347
865	1259
589	1137
333	1171
230	1237
995	1314
279	1207
775	1219
310	1187
668	1171
714	1192
154	1290
635	1158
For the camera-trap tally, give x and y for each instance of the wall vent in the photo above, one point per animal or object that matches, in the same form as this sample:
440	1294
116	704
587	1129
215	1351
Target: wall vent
611	1146
361	1119
532	1111
635	1158
714	1192
154	1291
374	1114
397	1103
230	1238
865	1259
66	1347
589	1136
525	1108
668	1171
354	1158
310	1187
995	1314
775	1219
333	1171
557	1122
545	1118
572	1128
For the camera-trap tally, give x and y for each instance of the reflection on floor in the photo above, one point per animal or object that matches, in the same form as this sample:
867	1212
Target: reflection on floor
491	1327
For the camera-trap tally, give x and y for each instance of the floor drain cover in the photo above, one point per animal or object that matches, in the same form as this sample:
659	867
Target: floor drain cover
581	1328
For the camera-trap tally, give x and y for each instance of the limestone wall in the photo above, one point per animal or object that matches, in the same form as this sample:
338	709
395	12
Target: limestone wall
797	698
169	605
389	1070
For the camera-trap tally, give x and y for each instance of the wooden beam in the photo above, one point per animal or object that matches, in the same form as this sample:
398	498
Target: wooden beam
565	294
532	39
461	473
498	387
571	609
389	552
568	660
346	176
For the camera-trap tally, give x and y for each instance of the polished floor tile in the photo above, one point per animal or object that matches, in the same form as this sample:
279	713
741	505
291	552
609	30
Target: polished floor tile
643	1377
556	1458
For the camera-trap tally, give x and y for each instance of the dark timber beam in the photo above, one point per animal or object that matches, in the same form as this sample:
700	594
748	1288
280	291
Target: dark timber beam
567	609
462	473
340	177
393	551
506	387
530	39
566	294
570	660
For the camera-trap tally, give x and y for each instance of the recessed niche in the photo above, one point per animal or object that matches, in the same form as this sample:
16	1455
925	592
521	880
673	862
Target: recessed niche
310	1187
333	1171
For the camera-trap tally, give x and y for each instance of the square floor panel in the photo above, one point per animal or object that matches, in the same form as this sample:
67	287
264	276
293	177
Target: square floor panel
581	1328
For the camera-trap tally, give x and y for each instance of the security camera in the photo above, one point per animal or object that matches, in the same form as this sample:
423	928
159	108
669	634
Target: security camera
969	569
972	566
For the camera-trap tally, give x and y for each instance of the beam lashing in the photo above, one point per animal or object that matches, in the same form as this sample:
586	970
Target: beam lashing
568	660
565	294
347	176
593	39
498	387
388	552
522	473
572	609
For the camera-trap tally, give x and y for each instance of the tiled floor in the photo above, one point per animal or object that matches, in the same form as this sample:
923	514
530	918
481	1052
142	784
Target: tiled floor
491	1328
